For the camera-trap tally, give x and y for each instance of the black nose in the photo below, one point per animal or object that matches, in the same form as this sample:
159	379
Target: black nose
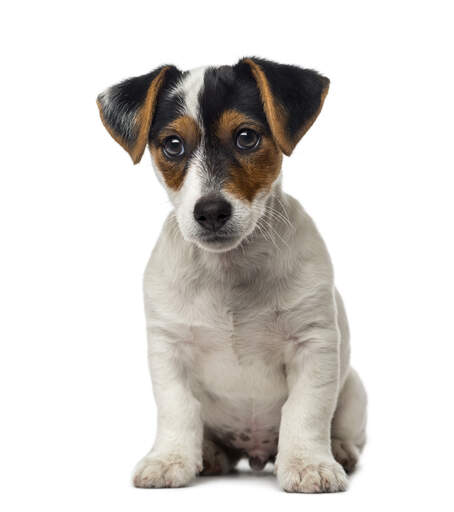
212	212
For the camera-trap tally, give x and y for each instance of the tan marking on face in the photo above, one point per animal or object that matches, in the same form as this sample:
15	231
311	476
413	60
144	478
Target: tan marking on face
173	170
184	126
254	170
143	120
230	121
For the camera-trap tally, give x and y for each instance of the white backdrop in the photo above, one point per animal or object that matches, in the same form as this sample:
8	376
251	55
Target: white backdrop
78	222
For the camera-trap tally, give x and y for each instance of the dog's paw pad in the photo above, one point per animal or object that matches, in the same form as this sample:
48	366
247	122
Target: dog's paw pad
295	476
171	470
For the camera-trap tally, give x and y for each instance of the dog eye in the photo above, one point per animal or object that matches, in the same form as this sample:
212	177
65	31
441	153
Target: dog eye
247	139
173	147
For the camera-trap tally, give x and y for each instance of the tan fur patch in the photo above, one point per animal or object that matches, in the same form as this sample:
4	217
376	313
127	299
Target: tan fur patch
256	170
230	121
184	126
143	120
173	170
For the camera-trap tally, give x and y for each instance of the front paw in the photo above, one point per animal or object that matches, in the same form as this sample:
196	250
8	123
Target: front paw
295	475
165	470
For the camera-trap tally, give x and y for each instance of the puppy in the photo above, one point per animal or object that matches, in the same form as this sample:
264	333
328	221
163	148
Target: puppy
248	341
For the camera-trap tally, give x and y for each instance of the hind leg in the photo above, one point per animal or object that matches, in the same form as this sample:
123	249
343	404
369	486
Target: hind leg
348	430
217	459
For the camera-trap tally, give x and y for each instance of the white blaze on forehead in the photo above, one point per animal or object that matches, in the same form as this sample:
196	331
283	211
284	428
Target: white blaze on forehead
189	88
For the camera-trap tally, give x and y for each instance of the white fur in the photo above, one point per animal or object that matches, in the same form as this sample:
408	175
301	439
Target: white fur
190	87
189	193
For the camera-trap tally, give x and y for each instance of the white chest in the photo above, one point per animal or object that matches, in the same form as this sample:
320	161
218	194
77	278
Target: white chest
233	345
235	363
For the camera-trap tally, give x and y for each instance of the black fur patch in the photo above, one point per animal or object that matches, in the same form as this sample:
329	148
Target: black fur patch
169	106
298	90
226	88
121	102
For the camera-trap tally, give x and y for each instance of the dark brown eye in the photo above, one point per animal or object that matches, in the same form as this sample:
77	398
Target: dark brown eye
173	147
247	139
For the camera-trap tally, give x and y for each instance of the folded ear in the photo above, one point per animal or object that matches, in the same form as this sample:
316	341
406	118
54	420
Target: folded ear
292	99
127	109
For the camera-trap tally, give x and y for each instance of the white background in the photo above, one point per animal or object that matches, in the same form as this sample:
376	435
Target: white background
78	222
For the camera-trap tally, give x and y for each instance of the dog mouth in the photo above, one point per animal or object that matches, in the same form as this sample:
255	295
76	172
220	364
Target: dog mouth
217	241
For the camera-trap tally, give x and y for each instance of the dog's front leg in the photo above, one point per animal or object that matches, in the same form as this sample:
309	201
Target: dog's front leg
305	462
176	456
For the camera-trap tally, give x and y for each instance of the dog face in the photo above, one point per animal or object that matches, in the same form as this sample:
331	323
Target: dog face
216	137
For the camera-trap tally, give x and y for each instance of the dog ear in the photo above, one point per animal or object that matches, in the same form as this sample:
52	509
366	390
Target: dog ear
127	109
292	98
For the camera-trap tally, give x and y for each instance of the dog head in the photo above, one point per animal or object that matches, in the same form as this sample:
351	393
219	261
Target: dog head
216	137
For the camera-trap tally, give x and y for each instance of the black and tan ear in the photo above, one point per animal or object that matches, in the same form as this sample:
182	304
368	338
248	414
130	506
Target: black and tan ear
127	109
292	98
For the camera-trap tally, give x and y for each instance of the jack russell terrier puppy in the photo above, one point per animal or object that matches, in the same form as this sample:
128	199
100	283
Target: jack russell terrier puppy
248	340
